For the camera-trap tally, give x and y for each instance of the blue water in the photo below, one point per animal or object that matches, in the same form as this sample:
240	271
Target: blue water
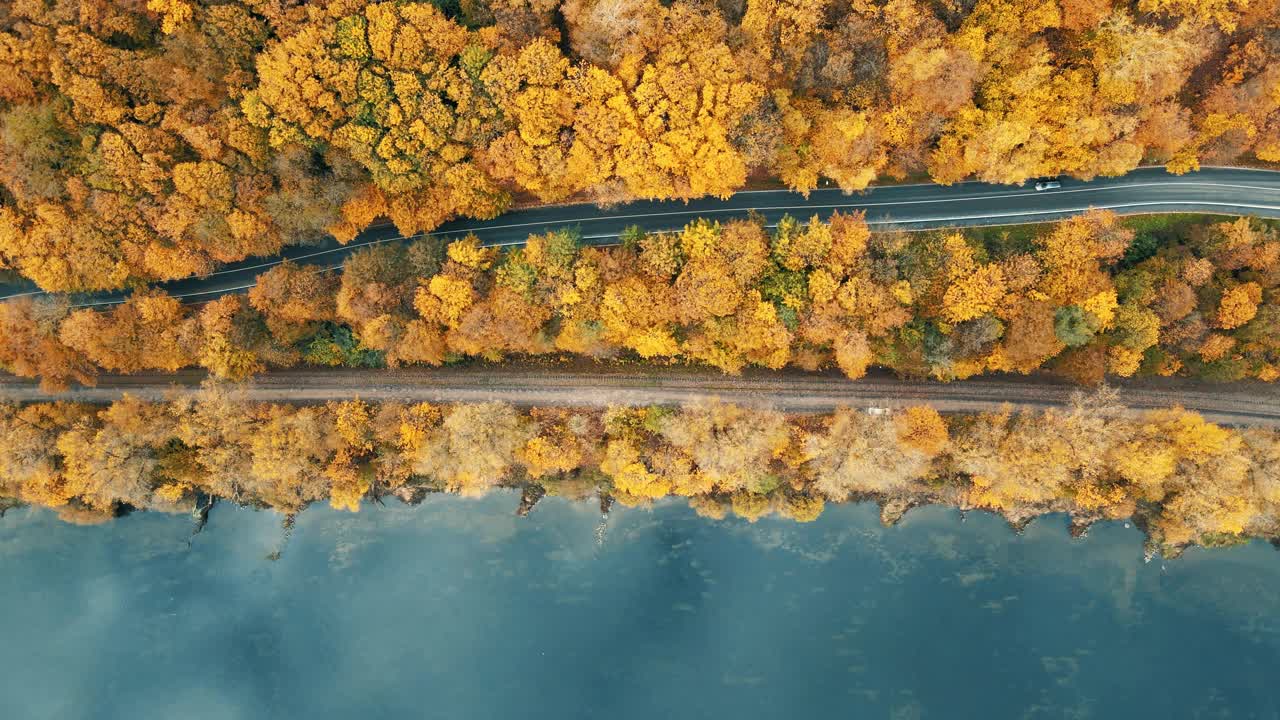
457	609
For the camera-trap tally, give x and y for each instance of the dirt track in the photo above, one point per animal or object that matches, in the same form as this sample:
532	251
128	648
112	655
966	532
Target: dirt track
584	384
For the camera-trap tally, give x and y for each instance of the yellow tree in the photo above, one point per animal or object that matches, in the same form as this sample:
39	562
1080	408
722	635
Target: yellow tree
639	314
1073	253
232	339
733	447
1223	13
31	347
389	85
148	331
1239	305
530	88
780	32
920	427
289	450
291	296
973	289
112	458
687	100
474	447
1032	114
839	143
854	452
29	462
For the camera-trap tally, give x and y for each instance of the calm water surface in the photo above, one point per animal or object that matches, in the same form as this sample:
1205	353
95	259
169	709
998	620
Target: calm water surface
457	609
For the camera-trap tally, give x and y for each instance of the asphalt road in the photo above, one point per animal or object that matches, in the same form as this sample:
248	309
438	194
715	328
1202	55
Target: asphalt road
589	385
1227	191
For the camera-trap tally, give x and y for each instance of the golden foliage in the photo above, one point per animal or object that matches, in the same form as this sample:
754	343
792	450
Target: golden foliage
147	331
920	427
1091	457
726	295
1239	305
241	126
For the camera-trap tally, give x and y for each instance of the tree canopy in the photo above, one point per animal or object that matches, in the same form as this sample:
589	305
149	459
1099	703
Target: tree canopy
1071	298
1197	482
145	141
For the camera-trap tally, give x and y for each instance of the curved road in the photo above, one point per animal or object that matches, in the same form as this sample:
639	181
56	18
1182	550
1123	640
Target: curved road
1227	191
584	384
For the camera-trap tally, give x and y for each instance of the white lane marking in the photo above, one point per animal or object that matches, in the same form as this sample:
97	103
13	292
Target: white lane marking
1172	180
965	198
1224	167
24	294
568	223
270	263
562	223
1070	211
698	213
869	188
1116	206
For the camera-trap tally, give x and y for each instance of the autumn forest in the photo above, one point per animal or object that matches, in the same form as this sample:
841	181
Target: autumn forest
1085	298
1187	480
150	140
158	139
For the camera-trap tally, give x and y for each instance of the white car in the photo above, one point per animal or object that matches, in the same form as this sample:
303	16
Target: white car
1047	185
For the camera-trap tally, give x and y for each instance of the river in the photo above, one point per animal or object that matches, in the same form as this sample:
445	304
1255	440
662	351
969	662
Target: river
458	609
